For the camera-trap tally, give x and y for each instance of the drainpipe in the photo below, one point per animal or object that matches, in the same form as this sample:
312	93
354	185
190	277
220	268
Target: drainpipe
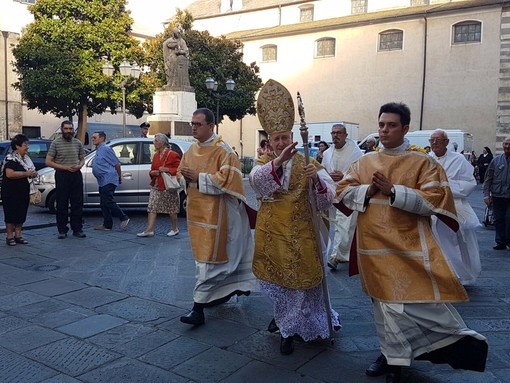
6	35
424	72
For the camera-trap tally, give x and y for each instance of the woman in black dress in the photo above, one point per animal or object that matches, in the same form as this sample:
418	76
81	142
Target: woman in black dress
18	170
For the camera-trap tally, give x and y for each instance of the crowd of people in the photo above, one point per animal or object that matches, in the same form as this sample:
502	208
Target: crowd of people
397	216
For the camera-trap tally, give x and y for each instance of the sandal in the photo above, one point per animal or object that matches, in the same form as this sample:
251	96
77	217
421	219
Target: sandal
21	241
10	241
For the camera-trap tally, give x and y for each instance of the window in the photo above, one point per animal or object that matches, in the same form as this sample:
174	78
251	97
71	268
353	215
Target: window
358	6
325	47
391	40
415	3
467	32
306	13
269	53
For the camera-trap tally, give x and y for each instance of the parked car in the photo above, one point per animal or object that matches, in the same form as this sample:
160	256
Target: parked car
135	155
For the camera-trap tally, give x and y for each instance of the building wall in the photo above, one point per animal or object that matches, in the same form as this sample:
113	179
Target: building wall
462	85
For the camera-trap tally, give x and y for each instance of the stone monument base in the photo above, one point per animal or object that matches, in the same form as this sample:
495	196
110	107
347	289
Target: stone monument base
173	110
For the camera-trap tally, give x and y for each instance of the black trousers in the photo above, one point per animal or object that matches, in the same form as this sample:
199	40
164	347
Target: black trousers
69	189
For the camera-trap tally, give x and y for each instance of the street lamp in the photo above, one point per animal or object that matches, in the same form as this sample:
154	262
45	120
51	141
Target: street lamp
127	71
212	86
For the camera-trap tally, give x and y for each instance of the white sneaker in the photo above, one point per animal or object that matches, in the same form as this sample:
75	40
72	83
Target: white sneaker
172	233
123	224
146	234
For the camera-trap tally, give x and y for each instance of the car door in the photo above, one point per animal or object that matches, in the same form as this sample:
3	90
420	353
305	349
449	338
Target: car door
146	152
127	192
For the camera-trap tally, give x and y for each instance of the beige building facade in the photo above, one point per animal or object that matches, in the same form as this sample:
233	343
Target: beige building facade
448	60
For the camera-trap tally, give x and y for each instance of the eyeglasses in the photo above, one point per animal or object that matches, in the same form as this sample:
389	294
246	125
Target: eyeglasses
198	124
433	140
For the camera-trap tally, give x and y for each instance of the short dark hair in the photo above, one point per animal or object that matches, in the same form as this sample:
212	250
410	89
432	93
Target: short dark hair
101	134
397	108
66	122
209	115
145	125
18	140
325	143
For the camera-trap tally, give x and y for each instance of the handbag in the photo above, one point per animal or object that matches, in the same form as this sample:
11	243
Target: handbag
35	198
171	182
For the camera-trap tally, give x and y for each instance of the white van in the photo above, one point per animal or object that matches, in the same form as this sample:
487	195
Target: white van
464	140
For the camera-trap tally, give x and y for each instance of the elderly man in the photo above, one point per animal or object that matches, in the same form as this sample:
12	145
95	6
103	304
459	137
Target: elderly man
218	225
107	170
337	160
288	248
460	248
401	266
496	192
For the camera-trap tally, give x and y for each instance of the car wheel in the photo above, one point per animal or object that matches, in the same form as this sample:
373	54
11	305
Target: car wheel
51	203
182	204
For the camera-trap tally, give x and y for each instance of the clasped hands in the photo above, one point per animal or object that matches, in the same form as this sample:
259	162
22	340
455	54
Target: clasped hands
289	152
190	175
379	183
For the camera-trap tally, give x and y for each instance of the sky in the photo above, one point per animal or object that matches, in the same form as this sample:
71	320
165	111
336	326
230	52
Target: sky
149	15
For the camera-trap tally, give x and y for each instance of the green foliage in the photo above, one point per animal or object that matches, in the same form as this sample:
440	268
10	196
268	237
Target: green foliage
210	56
59	57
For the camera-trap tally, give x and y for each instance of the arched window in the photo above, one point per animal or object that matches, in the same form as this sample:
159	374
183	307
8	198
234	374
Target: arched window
269	53
325	47
467	32
306	13
391	39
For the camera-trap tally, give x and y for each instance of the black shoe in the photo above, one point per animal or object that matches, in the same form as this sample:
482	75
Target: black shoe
79	234
393	375
194	318
273	327
379	367
286	345
500	246
62	235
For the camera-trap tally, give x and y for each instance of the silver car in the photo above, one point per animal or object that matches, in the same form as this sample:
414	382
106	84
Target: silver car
135	155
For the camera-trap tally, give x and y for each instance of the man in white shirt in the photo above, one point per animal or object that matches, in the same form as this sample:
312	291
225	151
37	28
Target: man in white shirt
337	160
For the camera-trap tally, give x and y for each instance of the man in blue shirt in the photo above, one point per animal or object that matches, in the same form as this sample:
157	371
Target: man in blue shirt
106	168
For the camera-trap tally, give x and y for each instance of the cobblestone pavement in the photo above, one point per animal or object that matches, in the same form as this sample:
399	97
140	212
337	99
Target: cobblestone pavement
106	309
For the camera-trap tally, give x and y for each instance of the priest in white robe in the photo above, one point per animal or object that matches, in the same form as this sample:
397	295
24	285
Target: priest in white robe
461	248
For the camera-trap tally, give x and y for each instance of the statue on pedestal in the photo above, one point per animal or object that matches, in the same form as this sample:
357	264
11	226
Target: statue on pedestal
176	58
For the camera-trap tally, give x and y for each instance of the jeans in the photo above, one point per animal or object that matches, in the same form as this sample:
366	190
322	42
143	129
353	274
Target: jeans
69	197
109	207
501	211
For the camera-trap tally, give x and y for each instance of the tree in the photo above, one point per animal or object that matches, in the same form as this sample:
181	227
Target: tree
210	56
59	58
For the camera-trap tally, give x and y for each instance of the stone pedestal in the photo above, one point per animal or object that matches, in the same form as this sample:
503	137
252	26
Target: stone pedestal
173	110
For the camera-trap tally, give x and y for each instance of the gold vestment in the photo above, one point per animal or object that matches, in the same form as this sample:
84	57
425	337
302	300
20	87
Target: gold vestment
286	249
398	258
207	213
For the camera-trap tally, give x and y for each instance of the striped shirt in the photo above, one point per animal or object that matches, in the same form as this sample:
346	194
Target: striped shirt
66	152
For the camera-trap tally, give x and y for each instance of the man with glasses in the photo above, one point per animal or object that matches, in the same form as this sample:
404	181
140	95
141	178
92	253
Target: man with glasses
106	169
337	160
460	248
218	225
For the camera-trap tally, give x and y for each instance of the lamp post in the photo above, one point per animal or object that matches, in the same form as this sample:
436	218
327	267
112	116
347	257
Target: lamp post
212	86
127	71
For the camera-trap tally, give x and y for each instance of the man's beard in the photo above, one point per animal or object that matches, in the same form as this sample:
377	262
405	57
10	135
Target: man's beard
67	136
